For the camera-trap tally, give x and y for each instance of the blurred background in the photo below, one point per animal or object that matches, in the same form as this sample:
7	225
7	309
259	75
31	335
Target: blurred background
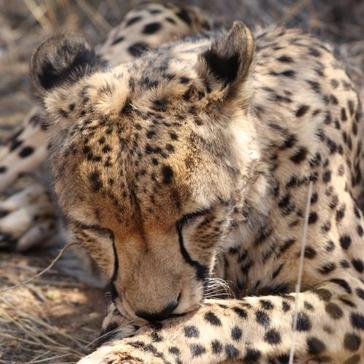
55	318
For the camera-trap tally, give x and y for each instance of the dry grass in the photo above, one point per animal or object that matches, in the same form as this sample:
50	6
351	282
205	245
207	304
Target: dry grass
51	319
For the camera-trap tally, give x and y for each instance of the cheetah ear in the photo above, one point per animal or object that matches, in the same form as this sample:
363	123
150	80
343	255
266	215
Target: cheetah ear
62	59
226	64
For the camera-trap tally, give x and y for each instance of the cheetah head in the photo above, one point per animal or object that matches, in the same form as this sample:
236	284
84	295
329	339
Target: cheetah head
155	162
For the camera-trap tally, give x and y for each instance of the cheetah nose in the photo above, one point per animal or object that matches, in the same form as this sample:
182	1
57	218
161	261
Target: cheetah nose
159	316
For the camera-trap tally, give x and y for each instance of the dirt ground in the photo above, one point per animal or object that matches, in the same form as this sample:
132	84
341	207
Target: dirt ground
55	318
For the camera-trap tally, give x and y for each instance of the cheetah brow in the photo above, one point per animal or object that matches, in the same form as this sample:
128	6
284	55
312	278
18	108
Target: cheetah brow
94	227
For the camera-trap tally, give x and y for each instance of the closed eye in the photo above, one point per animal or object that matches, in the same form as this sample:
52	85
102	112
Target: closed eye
190	217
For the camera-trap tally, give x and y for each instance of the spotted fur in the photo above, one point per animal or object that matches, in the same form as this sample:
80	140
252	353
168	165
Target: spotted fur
193	162
32	221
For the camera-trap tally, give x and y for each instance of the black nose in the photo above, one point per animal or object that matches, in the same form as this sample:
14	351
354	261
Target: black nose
159	316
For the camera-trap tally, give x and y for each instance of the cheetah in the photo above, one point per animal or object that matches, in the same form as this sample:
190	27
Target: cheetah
194	165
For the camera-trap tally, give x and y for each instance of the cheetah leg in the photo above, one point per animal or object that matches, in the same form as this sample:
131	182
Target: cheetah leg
24	151
27	218
330	328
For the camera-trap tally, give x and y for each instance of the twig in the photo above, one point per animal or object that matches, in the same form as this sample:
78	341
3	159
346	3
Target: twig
38	14
45	270
300	273
94	16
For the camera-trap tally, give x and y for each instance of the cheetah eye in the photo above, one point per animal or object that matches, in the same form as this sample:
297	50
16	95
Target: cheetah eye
191	216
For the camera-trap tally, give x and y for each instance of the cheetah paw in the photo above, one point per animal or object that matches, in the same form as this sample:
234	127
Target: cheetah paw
115	326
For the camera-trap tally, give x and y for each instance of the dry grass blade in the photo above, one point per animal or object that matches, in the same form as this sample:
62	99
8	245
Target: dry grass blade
94	16
300	273
42	272
38	14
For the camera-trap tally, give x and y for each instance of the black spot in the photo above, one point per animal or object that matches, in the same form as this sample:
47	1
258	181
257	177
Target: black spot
231	351
197	350
191	331
127	107
152	28
302	110
170	20
308	306
285	59
314	52
334	311
150	134
289	142
358	265
138	48
347	302
117	40
160	104
286	245
272	337
185	16
340	213
106	148
360	293
26	151
132	21
212	319
312	218
343	284
223	68
314	198
326	177
216	347
156	337
315	86
324	294
252	356
303	322
3	169
262	318
288	73
266	305
300	155
184	80
345	241
310	252
95	181
240	312
167	174
327	268
174	350
236	333
352	342
315	346
285	306
357	320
